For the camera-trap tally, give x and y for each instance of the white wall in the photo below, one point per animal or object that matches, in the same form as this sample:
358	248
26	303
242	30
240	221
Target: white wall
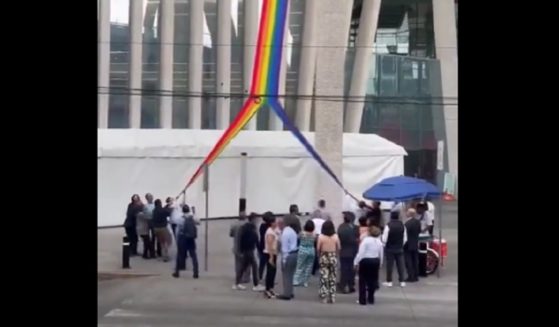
273	183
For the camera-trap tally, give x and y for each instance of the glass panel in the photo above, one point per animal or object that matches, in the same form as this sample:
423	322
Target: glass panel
411	140
150	66
237	37
409	77
389	120
348	71
119	68
390	134
389	115
426	113
411	116
296	18
405	28
428	140
208	112
424	87
180	64
371	119
209	64
388	84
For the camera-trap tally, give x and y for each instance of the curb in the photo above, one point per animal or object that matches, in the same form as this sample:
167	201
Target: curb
102	276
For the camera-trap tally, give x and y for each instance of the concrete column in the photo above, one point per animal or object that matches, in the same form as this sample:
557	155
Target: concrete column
444	21
334	18
274	122
103	62
362	64
167	27
307	66
195	62
135	67
251	22
223	86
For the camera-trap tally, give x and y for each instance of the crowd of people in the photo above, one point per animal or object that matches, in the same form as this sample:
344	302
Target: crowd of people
358	248
160	227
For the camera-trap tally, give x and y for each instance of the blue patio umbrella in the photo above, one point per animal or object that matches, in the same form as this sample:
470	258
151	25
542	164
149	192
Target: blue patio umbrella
401	188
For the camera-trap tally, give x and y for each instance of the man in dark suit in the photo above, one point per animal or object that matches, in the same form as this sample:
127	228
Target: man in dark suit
348	234
394	237
411	255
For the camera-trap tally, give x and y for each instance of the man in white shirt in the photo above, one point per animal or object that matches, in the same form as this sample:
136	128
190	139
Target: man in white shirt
431	211
368	261
148	214
318	222
426	218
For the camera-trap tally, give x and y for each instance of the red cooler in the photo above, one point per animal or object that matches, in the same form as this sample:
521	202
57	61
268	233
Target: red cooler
436	244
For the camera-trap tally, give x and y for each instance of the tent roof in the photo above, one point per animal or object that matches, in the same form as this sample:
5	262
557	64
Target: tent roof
197	143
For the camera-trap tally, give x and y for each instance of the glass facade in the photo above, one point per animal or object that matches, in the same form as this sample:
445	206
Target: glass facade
402	90
237	47
292	51
119	69
150	64
180	64
209	66
403	105
403	97
405	27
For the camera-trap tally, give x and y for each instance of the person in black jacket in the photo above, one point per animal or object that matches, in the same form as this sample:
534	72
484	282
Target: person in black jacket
374	215
134	207
411	254
248	241
394	237
348	234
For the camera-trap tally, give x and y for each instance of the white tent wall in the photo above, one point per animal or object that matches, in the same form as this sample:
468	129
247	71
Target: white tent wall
280	172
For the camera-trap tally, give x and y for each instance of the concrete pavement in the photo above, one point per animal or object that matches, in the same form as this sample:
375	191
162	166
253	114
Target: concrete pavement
161	300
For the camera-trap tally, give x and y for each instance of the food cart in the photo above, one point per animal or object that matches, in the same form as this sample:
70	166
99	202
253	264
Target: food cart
402	189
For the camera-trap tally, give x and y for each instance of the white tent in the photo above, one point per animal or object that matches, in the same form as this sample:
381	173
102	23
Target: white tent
280	171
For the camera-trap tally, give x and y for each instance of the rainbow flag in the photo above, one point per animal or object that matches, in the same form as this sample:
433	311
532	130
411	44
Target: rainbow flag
265	87
265	75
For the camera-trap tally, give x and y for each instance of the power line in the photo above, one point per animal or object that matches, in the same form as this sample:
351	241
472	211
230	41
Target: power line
427	100
241	45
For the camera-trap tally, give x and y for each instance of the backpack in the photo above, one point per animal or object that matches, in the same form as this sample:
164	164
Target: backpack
189	229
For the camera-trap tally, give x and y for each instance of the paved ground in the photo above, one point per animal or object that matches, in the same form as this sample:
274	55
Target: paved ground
160	300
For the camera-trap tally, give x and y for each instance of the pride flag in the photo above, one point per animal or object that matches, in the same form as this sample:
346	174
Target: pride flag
265	75
264	88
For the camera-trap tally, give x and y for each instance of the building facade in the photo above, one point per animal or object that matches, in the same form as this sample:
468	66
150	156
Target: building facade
188	64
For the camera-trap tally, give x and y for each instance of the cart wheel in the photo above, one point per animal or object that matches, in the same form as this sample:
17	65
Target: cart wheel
432	261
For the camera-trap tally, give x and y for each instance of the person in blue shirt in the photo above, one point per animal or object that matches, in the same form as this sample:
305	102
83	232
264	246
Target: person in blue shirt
289	250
